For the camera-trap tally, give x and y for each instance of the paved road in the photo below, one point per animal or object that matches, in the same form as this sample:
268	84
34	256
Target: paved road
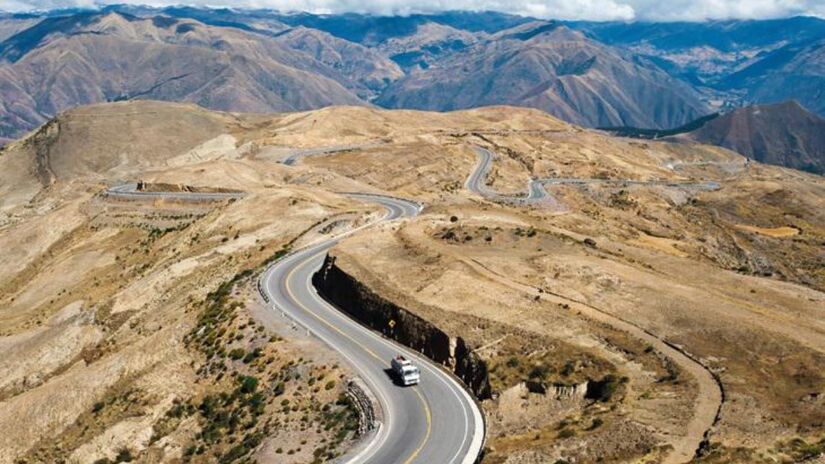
536	192
477	183
709	399
433	422
130	191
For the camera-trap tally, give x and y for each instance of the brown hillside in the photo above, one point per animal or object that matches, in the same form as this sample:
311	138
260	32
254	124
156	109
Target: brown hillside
785	134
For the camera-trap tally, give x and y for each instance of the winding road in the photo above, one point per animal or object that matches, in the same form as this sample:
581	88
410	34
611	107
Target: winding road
710	394
536	192
434	422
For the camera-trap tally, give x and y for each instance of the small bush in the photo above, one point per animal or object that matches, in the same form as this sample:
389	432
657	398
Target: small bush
569	368
539	372
249	384
604	389
124	455
567	433
234	454
279	389
252	355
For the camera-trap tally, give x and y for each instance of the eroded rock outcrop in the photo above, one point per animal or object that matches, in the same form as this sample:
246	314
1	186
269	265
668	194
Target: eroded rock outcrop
376	312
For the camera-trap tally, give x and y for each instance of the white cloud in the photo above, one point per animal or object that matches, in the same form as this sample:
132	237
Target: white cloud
654	10
698	10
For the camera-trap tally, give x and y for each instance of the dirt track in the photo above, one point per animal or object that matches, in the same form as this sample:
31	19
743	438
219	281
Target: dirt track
710	397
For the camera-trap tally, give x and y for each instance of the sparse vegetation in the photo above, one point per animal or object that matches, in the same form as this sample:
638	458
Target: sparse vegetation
523	286
231	417
566	433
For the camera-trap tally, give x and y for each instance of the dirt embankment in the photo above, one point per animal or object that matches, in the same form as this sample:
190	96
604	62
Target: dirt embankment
158	187
711	395
372	310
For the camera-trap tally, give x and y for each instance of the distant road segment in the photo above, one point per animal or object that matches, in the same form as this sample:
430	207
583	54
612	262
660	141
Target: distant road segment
130	191
536	192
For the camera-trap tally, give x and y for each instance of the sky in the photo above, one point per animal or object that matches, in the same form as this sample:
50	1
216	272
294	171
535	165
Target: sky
597	10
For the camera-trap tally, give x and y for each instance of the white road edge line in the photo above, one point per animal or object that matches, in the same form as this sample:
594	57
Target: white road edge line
386	404
381	436
431	367
474	450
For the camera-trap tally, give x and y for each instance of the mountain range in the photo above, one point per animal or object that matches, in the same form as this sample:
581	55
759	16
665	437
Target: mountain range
782	133
609	74
738	62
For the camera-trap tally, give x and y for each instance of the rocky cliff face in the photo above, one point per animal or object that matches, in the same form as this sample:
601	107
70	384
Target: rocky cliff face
372	310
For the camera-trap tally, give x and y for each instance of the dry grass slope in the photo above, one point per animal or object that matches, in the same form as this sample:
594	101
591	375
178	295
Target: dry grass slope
132	326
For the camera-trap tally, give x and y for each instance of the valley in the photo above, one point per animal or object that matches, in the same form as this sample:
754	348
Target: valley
656	301
612	74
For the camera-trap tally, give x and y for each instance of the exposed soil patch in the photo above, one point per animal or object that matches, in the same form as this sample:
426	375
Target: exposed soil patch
161	187
776	232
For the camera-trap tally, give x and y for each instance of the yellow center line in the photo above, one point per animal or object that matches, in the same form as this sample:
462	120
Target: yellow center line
319	318
429	427
295	300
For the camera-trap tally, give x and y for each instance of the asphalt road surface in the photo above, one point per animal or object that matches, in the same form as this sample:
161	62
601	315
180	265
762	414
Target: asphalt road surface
435	422
709	400
130	191
477	183
537	194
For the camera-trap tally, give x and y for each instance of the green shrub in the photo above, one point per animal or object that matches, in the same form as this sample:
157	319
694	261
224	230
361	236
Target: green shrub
235	453
252	355
249	384
279	389
604	389
569	368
